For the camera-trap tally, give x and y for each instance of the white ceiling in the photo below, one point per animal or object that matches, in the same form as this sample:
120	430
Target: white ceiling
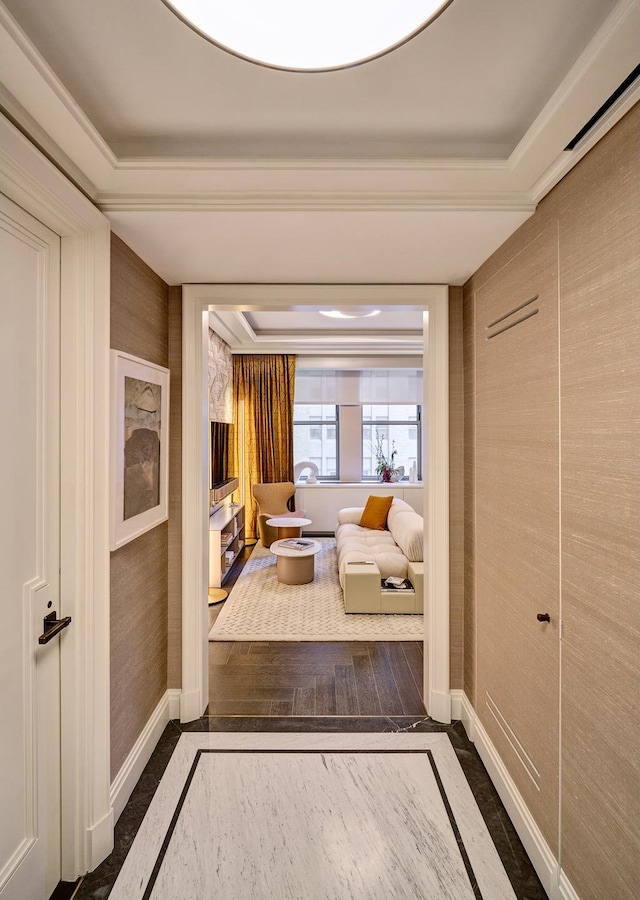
469	85
412	168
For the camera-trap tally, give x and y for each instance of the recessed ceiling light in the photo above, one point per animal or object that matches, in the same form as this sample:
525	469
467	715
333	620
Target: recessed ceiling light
297	36
336	314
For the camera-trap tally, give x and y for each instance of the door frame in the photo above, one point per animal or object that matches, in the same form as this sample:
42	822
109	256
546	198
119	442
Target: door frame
434	301
36	185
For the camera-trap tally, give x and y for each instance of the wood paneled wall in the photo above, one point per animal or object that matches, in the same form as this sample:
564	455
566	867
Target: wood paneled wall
596	212
517	513
469	437
140	326
599	215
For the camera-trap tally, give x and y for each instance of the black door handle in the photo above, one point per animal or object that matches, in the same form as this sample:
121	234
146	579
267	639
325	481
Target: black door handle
53	627
543	617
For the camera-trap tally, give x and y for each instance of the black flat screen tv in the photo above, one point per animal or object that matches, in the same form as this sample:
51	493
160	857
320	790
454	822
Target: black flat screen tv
221	435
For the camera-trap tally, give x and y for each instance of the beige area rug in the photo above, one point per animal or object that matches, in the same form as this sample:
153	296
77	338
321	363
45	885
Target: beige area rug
259	608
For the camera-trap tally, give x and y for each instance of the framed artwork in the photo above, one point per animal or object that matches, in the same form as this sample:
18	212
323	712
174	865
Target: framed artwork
139	447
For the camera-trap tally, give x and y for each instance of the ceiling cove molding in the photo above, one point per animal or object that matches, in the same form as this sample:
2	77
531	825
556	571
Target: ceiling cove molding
569	158
236	331
348	350
471	164
260	201
224	298
232	327
438	183
602	66
29	79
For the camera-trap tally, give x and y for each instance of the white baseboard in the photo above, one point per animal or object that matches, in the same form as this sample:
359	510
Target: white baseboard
462	710
439	706
174	702
133	766
191	706
99	841
566	891
553	879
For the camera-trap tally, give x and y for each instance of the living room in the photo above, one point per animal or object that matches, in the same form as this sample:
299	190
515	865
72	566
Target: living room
341	434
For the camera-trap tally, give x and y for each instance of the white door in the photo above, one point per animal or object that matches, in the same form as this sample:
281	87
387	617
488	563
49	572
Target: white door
29	556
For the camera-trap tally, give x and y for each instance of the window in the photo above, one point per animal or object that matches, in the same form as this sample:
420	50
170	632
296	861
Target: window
395	427
315	436
337	413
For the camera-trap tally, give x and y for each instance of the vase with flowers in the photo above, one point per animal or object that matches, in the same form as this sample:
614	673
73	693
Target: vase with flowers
385	465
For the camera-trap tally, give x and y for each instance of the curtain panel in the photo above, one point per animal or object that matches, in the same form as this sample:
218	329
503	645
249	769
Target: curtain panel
263	389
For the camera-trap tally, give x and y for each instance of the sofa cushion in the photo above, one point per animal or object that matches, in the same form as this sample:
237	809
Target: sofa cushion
407	530
371	542
389	561
374	514
397	508
350	515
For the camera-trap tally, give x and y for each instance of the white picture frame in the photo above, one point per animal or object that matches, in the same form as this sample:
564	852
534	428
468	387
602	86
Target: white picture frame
139	447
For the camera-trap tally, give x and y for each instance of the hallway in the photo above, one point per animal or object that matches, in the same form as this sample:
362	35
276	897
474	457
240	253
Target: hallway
313	690
526	886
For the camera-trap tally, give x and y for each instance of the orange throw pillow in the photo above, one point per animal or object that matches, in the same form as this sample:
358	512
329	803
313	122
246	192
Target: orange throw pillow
374	515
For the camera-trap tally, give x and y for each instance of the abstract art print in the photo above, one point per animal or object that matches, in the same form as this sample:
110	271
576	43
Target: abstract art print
139	447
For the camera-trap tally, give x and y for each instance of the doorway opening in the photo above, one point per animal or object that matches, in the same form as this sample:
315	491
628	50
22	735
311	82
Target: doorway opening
197	300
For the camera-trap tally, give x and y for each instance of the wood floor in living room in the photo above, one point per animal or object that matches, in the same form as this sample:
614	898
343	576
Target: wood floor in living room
288	678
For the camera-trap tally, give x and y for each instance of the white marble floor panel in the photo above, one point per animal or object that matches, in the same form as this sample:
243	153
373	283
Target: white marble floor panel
313	817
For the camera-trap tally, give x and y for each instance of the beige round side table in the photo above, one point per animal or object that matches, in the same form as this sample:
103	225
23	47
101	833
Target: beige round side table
295	566
288	526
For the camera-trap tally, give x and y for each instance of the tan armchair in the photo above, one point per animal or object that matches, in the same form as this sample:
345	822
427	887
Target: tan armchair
272	500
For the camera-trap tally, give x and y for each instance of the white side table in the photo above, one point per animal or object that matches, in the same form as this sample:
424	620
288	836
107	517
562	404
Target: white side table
295	566
288	526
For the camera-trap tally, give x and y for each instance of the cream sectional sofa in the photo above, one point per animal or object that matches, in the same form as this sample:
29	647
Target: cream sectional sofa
366	556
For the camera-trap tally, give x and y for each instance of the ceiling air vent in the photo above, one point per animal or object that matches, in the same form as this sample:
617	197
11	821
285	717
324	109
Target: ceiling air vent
619	91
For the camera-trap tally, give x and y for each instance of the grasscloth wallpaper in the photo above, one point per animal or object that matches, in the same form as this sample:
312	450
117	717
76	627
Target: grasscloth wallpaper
591	385
138	634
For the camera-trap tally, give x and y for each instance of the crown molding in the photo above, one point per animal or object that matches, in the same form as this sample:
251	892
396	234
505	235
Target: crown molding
232	325
222	164
610	56
35	87
312	200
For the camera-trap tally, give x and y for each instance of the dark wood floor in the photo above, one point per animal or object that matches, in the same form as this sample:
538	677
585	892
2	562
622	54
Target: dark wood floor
286	678
301	678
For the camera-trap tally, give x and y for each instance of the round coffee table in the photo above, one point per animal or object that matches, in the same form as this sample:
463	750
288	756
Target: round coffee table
288	526
295	566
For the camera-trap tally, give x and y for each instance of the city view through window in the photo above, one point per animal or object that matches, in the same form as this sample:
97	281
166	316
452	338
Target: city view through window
391	427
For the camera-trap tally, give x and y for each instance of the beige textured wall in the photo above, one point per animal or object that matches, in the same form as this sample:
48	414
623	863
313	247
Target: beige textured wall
596	211
517	543
456	489
140	326
599	215
469	381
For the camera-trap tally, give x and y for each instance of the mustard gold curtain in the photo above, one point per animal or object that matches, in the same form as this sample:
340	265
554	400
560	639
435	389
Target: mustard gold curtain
263	389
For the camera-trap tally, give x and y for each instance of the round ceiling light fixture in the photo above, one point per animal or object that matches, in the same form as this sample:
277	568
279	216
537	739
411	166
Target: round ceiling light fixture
308	37
336	314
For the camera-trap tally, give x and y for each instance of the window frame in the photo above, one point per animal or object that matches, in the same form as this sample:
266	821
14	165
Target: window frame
386	422
320	423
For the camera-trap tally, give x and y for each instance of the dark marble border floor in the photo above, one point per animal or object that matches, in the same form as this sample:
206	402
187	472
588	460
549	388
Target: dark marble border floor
98	884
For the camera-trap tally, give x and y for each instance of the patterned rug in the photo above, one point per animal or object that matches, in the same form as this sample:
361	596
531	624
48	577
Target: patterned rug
260	608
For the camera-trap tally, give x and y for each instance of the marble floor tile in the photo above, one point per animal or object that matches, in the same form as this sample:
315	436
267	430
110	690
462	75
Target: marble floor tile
314	816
